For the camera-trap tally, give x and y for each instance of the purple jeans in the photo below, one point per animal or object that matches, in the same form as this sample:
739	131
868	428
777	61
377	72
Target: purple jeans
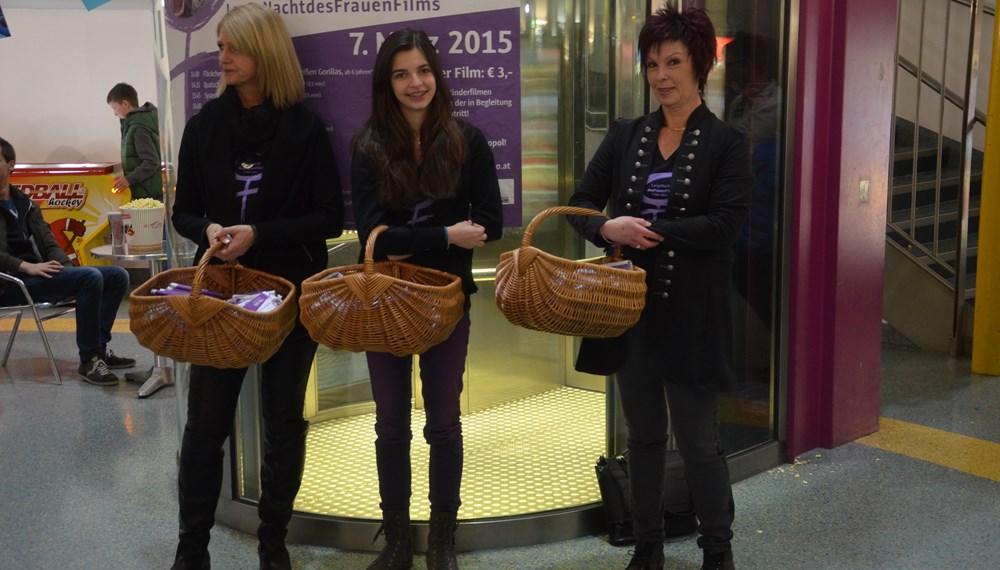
441	370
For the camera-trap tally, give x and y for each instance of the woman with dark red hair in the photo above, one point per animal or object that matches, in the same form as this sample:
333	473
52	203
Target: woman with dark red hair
677	186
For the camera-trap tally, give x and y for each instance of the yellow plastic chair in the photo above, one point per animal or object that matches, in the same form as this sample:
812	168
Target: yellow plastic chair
41	313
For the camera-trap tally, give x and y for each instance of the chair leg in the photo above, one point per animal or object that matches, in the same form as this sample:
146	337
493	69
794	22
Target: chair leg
48	349
13	333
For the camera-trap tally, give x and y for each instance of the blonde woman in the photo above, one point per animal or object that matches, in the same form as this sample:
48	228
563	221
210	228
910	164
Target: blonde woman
256	172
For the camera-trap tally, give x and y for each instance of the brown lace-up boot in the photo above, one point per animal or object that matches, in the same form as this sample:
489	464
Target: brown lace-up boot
441	542
398	551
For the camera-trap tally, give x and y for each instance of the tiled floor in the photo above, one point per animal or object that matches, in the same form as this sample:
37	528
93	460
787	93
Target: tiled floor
87	480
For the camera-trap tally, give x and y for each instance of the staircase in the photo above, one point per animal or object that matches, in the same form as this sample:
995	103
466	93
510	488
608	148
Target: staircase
922	238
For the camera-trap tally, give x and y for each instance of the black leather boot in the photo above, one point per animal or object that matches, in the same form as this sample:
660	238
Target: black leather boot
196	562
441	542
647	556
199	480
398	551
280	477
273	555
722	560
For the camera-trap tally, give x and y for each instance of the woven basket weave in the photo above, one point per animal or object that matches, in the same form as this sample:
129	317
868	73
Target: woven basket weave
207	331
542	292
385	306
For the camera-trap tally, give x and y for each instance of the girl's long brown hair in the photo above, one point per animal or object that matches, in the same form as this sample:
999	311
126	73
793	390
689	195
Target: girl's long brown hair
386	137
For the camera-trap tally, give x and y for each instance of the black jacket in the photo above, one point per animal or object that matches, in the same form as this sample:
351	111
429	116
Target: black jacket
38	229
299	204
425	239
689	275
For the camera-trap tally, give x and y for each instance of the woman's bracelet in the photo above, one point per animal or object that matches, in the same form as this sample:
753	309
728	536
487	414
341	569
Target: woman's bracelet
447	240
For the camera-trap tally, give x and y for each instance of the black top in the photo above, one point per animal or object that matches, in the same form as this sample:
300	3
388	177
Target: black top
419	229
298	202
689	275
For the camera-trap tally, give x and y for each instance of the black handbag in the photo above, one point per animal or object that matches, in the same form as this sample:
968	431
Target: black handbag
679	520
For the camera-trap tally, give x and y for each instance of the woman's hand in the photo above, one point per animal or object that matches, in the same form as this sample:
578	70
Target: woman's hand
238	240
466	234
630	231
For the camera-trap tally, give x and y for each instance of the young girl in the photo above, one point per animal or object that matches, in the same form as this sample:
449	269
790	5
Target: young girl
433	181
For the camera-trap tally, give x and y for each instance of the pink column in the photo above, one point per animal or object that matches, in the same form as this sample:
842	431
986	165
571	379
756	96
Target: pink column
841	153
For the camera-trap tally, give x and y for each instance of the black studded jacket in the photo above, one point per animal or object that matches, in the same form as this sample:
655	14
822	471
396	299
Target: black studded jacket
689	275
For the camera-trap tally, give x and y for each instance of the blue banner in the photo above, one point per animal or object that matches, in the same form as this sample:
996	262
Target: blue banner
4	30
91	4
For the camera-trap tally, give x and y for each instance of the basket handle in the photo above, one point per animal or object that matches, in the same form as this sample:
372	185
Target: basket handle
370	248
199	273
554	211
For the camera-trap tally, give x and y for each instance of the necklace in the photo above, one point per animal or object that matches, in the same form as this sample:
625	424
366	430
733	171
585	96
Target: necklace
679	129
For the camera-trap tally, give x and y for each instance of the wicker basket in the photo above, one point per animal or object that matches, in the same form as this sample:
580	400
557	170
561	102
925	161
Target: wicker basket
207	331
385	306
543	292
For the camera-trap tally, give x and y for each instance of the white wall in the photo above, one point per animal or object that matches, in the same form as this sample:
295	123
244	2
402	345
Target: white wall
57	68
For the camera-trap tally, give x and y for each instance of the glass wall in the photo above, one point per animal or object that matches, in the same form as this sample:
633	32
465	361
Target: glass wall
523	403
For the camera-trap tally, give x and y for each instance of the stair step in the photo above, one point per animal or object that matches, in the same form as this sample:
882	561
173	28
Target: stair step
948	212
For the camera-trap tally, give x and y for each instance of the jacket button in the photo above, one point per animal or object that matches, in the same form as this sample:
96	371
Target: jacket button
667	282
682	209
644	140
638	164
687	168
697	132
628	206
694	143
632	178
648	129
630	191
686	196
642	152
664	294
691	156
687	181
671	253
670	267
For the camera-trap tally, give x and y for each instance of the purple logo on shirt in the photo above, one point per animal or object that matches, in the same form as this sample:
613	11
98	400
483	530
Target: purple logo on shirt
654	201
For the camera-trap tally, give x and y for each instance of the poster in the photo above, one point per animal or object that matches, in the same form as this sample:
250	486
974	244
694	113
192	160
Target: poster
74	199
478	42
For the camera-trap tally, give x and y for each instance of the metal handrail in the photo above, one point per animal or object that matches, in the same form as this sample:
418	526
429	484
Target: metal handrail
970	117
935	85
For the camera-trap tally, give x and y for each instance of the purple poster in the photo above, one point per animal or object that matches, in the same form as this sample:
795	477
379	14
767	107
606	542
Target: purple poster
336	41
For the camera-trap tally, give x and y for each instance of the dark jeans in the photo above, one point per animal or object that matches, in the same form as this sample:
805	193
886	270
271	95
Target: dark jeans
694	422
98	290
212	397
441	370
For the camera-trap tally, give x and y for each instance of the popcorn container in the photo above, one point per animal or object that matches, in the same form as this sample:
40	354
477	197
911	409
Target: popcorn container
143	229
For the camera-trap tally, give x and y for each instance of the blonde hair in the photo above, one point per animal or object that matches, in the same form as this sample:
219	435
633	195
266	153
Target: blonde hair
261	34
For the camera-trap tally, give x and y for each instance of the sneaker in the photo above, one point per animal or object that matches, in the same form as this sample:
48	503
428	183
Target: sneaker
718	561
96	372
114	361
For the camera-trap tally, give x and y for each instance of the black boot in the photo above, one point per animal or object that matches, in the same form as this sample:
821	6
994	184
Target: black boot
281	477
647	556
273	555
398	551
441	542
183	562
718	560
199	480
